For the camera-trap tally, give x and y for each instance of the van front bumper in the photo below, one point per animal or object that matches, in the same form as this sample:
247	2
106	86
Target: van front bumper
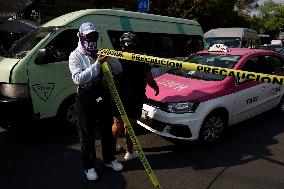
14	111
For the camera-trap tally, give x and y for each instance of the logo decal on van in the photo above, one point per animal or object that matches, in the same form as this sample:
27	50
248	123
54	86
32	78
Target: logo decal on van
43	91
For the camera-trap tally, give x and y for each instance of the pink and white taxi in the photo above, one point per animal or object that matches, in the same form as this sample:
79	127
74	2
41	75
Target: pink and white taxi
199	106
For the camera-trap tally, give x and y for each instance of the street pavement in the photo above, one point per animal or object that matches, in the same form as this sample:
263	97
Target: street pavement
47	156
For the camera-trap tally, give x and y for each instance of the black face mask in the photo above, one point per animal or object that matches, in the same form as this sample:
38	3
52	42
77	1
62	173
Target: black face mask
89	43
93	36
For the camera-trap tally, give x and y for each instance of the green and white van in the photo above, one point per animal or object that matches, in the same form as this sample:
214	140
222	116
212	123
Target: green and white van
35	80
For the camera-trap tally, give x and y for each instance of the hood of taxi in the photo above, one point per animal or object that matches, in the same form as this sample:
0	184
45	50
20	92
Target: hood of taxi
6	65
175	88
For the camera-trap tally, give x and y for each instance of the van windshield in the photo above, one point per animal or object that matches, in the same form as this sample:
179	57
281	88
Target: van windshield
217	60
231	42
28	42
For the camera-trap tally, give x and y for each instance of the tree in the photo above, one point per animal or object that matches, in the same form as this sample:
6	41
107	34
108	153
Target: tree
216	13
175	8
271	17
127	5
209	13
246	5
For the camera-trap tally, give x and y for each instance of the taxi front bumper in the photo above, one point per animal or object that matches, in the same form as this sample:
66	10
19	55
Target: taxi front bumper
180	126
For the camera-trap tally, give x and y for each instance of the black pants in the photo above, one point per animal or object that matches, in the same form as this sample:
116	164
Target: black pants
132	98
95	114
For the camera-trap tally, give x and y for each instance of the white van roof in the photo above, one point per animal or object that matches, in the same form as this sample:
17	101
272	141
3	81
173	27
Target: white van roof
67	18
230	32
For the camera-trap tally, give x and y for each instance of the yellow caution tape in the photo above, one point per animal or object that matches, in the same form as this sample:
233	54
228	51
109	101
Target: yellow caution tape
127	125
151	60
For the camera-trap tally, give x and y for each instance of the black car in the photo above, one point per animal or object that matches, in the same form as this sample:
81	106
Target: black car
272	47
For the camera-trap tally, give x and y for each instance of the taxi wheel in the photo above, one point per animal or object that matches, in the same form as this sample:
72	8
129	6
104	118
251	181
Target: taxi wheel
212	129
67	112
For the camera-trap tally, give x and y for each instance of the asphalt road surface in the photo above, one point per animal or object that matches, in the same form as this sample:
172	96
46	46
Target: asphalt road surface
48	156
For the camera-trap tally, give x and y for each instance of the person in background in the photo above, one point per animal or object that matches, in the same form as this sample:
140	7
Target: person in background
93	100
131	86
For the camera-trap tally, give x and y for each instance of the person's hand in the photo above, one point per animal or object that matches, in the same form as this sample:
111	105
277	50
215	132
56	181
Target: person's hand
156	89
101	58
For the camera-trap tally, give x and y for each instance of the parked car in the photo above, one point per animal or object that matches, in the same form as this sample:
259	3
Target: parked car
199	106
13	30
272	47
264	39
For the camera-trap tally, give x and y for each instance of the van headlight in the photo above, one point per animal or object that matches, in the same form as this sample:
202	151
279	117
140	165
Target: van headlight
15	90
183	107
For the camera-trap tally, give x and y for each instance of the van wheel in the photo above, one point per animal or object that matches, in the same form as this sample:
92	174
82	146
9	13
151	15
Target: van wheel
67	113
281	105
212	129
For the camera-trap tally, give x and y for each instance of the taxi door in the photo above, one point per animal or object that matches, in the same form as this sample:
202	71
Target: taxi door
273	65
248	101
250	96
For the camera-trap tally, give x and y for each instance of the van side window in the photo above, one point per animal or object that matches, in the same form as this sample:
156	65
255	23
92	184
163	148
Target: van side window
163	45
62	45
194	44
114	39
166	45
244	43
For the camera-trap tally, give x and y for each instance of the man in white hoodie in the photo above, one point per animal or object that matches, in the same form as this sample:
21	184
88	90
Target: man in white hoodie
93	100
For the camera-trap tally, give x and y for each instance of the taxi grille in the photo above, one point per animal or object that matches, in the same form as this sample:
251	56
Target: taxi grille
154	124
175	130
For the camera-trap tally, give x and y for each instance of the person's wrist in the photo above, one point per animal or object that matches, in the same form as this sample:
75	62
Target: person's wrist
97	64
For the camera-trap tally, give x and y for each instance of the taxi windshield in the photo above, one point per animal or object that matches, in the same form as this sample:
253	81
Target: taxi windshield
231	42
216	60
28	42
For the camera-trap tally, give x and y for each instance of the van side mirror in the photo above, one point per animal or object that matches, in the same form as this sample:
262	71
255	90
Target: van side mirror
43	56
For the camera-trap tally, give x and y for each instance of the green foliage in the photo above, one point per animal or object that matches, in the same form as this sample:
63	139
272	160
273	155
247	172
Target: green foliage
209	13
213	13
246	5
270	18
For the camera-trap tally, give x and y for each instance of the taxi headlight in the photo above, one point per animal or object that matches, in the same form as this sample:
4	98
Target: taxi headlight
183	107
15	90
